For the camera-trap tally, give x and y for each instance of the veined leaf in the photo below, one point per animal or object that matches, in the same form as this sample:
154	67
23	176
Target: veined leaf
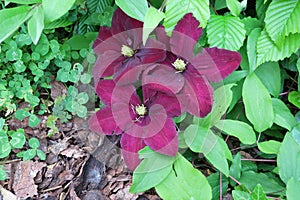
234	7
281	19
176	9
36	25
258	103
62	22
54	9
268	51
136	9
258	193
11	19
184	182
226	32
152	19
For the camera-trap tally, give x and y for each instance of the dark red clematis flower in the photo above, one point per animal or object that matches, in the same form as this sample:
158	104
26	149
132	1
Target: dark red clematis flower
120	47
147	122
188	74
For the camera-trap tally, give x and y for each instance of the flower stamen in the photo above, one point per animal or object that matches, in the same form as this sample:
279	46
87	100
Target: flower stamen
141	110
179	65
127	51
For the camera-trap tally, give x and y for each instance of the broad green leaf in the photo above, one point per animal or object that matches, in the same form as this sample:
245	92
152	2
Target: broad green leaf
34	143
251	48
152	19
176	9
36	25
17	140
226	32
258	103
282	18
234	6
288	159
214	148
24	1
33	121
294	98
258	193
268	51
240	195
136	9
21	114
241	130
12	19
292	189
184	182
153	169
214	182
282	115
235	168
54	9
250	179
269	147
269	74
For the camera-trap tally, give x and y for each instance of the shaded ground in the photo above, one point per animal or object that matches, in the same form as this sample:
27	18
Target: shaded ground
80	165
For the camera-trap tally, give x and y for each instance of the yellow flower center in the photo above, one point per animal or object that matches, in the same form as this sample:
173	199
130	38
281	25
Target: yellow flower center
141	110
179	65
127	51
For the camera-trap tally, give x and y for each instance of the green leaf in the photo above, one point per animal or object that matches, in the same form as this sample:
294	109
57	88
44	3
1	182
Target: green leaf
234	6
61	22
238	129
24	1
153	169
21	114
176	9
214	182
226	32
281	19
258	103
3	174
184	182
235	168
36	25
269	74
85	78
82	98
292	189
5	149
152	19
29	154
269	147
282	115
250	24
268	51
240	195
214	148
54	9
133	8
251	48
41	154
17	140
258	193
12	19
34	143
33	121
294	98
81	111
250	179
288	159
2	122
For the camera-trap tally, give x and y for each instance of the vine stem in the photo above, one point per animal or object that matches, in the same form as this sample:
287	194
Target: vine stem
257	160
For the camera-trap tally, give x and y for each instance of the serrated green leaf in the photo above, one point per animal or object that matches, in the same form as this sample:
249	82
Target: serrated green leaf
176	9
251	48
184	182
214	148
258	193
281	19
152	19
288	159
234	6
282	115
133	8
258	103
238	129
268	51
153	169
250	24
36	25
269	147
33	121
11	19
54	9
269	74
226	32
292	189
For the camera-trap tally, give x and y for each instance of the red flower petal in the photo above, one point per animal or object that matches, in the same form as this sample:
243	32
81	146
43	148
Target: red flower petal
165	141
104	33
216	64
130	147
104	90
